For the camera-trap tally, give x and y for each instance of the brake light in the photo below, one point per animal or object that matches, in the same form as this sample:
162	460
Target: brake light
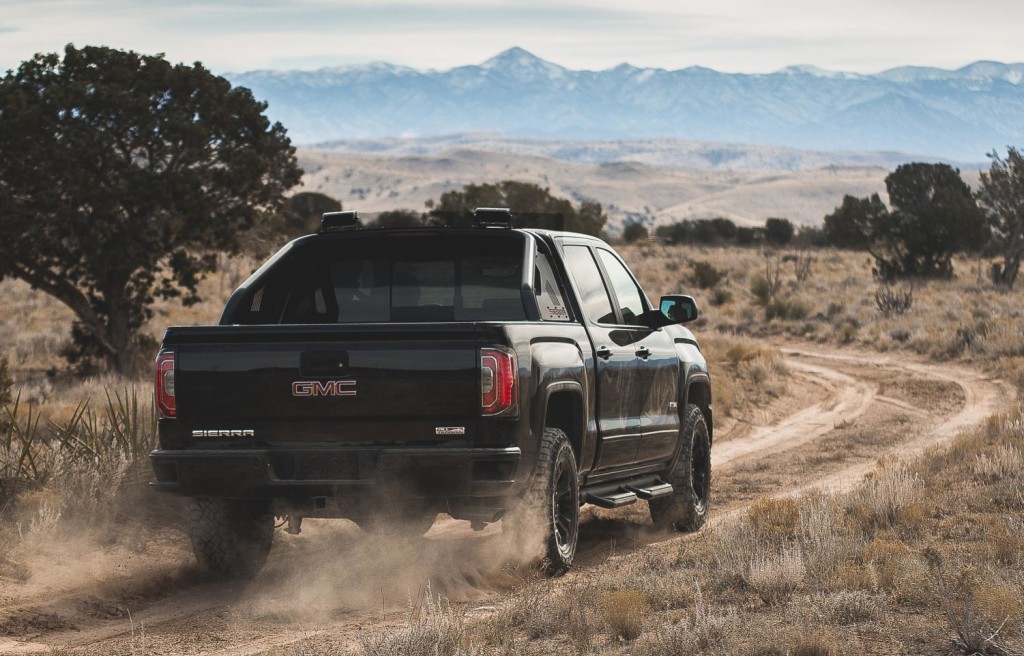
499	382
164	389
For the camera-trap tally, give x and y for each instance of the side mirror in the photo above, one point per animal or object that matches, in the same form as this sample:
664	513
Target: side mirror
678	308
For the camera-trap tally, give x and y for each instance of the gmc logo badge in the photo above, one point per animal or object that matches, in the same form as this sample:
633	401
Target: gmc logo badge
323	388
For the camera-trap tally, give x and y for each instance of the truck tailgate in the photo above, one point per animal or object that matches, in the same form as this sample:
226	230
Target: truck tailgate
342	383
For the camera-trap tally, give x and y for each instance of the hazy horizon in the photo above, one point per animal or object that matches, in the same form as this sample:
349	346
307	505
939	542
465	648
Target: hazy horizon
733	36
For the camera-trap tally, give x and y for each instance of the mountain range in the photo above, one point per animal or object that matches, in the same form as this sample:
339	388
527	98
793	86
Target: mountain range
958	115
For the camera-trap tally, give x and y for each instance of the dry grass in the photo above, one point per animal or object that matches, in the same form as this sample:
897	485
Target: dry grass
964	318
74	481
745	375
818	574
776	576
922	557
434	629
624	612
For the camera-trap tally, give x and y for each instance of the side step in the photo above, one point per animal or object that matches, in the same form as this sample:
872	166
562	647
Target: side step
651	491
623	494
614	499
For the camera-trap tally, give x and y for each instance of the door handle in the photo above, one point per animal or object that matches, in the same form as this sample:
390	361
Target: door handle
604	352
643	352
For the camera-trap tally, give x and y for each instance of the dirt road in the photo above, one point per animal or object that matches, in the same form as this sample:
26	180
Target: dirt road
841	413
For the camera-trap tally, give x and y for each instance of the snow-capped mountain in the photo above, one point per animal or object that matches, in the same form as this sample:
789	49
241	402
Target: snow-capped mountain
957	114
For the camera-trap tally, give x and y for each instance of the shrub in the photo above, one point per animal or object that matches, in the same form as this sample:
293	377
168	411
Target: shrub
846	332
624	612
825	542
719	296
892	302
704	631
789	309
778	231
775	577
879	502
98	457
435	629
1005	461
763	289
634	231
899	335
706	276
802	263
777	518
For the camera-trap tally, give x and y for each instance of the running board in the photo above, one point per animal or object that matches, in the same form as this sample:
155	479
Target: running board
614	499
616	495
652	491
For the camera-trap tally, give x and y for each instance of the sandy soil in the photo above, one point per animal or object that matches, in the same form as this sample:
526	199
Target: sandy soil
842	412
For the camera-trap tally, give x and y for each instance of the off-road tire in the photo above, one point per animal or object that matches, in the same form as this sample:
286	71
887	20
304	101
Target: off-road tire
552	503
230	537
687	508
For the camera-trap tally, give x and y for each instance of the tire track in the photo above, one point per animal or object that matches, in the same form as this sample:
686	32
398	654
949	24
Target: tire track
465	565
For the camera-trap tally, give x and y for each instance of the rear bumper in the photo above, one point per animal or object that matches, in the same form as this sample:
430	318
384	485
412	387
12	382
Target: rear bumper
303	473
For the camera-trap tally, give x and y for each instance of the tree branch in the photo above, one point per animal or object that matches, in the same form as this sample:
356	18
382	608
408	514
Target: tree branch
70	296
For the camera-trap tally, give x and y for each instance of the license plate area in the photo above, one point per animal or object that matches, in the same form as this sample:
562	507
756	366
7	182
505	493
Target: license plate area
315	467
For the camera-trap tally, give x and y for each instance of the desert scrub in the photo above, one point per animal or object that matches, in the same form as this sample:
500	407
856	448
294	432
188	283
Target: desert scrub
885	496
540	612
910	560
775	518
775	576
624	612
91	469
915	316
847	607
706	276
743	375
707	628
434	628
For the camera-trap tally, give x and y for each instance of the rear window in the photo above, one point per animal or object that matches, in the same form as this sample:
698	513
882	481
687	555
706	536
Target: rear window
425	278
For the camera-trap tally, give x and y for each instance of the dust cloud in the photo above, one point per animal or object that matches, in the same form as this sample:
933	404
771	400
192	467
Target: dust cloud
334	568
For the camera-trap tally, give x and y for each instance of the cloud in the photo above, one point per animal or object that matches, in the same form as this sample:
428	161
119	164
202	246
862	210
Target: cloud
729	35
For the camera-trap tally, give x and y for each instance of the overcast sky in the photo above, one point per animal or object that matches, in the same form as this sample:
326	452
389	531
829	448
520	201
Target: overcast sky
749	36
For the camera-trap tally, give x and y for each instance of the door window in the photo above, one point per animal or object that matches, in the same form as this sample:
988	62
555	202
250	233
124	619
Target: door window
624	288
593	296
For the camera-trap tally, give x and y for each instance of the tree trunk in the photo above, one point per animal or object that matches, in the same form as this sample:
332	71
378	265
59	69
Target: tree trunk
1011	267
119	332
1012	254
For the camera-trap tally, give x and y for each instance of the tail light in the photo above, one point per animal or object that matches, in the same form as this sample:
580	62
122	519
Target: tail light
499	382
164	389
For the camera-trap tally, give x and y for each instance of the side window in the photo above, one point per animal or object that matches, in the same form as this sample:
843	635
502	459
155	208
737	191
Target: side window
549	295
626	291
593	297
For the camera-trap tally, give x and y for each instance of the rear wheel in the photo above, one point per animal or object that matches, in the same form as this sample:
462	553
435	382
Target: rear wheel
549	513
230	537
687	508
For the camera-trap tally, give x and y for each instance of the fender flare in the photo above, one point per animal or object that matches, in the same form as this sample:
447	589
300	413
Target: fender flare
689	380
578	437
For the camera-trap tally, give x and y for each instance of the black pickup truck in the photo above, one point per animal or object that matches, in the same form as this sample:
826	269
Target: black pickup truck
386	375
